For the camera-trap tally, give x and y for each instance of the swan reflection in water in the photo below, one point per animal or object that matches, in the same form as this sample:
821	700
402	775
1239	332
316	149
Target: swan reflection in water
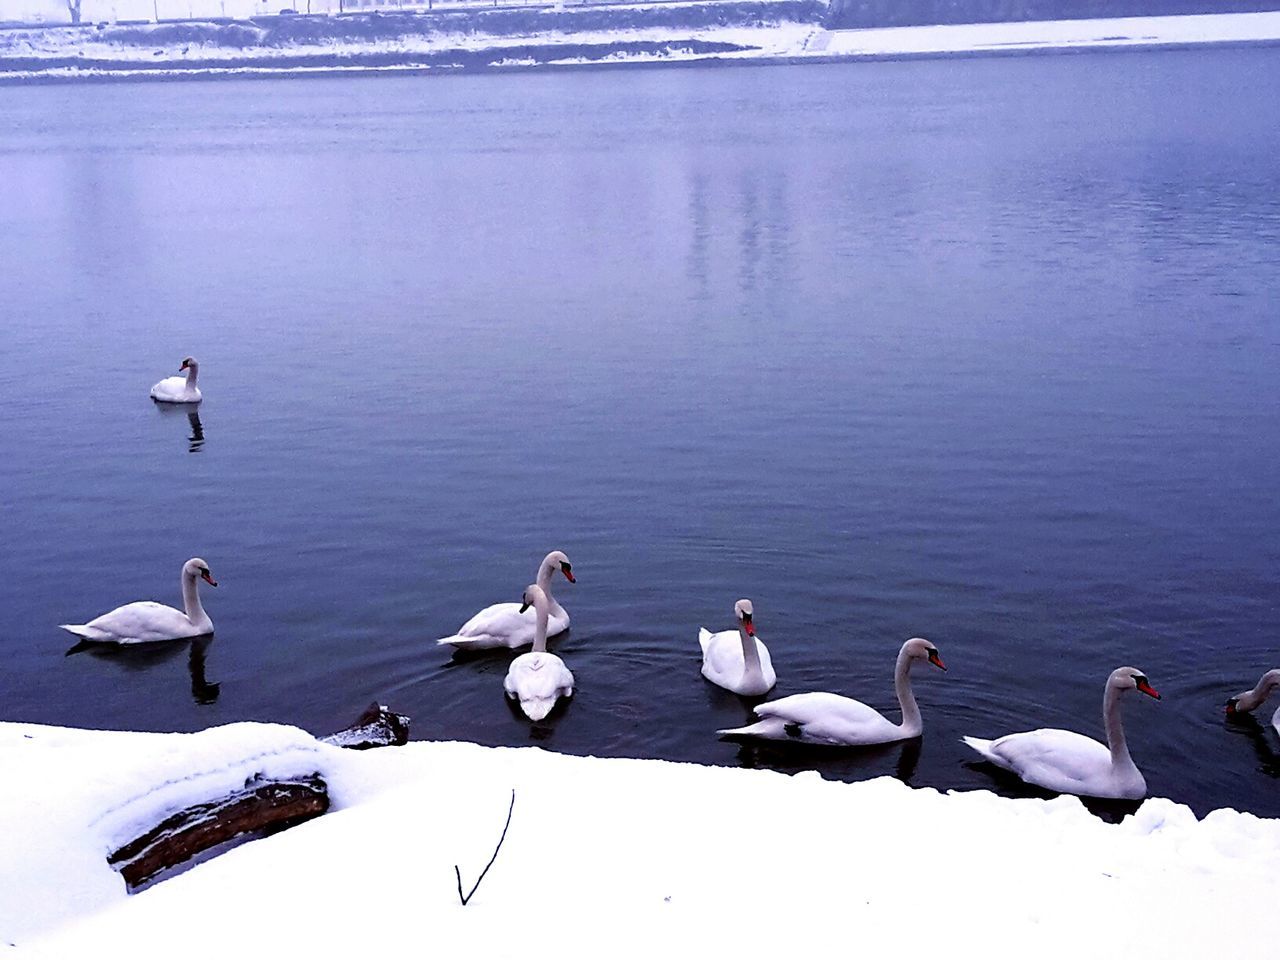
192	412
144	656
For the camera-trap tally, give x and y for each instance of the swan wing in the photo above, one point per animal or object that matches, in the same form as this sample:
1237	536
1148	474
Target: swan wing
1058	760
503	625
830	718
174	390
143	622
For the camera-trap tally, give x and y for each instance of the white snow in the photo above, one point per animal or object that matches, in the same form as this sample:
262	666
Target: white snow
604	857
783	40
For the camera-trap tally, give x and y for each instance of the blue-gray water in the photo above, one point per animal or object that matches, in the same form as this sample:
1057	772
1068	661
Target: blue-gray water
979	350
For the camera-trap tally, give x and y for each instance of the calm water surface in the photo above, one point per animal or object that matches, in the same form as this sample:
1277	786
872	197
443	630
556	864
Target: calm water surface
979	350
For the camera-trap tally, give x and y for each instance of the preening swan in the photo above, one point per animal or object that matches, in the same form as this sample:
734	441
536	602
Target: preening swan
736	659
179	389
833	720
1070	762
511	625
1250	700
537	679
147	621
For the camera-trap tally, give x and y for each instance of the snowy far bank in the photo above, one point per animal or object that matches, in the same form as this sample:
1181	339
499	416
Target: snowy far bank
616	857
738	30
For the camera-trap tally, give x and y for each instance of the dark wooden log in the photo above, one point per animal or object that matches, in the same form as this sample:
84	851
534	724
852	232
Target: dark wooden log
376	727
261	808
267	807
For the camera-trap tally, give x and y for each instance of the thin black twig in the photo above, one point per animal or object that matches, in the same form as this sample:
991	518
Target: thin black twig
458	872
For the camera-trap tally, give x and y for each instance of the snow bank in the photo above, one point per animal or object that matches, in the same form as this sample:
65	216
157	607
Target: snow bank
789	30
604	857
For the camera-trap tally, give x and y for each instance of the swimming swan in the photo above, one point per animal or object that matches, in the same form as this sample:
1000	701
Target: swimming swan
1068	762
833	720
507	624
1250	700
736	659
179	389
537	679
147	621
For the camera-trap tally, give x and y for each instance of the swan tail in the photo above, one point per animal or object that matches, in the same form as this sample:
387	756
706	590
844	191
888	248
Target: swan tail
456	640
983	747
770	728
704	637
80	630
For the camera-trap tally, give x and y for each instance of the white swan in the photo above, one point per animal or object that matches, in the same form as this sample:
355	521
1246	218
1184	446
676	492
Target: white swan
147	621
736	659
1250	700
179	389
1069	762
537	679
833	720
510	625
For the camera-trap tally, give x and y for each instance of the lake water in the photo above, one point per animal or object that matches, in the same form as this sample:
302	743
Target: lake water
980	350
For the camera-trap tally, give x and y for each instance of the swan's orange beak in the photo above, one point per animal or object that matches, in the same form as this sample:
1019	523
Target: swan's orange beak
208	579
568	574
937	661
1149	690
1231	707
747	626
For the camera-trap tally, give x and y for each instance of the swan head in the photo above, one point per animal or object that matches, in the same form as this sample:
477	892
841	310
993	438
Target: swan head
1131	678
533	597
743	611
195	567
918	648
557	561
189	362
1251	699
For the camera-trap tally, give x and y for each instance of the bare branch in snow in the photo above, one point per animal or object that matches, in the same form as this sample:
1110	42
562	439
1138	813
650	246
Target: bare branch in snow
458	872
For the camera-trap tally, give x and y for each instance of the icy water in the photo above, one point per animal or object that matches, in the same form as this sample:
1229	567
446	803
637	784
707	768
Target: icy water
980	350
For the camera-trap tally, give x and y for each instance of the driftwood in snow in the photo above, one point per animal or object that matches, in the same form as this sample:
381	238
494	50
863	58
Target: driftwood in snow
263	807
270	806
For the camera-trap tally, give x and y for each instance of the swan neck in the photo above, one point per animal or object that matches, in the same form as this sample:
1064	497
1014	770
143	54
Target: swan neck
1115	729
191	599
911	722
1258	695
193	371
545	573
541	612
750	654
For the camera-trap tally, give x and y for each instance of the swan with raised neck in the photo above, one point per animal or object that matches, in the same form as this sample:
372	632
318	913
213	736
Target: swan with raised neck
833	720
146	621
506	625
737	659
538	679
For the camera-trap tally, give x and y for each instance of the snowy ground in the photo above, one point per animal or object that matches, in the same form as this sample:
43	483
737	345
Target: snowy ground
604	858
442	44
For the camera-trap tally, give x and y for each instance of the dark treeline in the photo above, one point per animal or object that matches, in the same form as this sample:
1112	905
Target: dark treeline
896	13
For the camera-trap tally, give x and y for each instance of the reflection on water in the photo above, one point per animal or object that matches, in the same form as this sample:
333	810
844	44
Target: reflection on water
137	657
192	413
1262	735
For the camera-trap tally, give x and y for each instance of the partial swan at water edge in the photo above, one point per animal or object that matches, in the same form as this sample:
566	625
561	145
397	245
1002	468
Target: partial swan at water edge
1250	700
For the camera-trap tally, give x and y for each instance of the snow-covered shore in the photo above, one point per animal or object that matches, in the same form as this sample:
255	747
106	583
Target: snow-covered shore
615	857
784	30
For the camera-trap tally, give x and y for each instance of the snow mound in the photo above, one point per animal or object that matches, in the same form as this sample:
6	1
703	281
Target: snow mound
617	857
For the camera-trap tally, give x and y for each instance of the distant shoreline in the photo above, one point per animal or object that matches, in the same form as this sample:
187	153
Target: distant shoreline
781	43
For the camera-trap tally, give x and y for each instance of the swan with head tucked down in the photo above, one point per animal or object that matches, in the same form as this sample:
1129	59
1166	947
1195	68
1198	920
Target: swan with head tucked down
1068	762
179	389
832	720
1250	700
537	678
510	625
736	659
147	621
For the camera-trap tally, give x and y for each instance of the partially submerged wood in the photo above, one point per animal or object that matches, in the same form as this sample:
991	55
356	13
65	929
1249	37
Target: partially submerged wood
376	727
263	807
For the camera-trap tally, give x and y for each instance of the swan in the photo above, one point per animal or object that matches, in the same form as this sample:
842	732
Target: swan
147	621
507	624
736	659
179	389
1068	762
833	720
537	679
1250	700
